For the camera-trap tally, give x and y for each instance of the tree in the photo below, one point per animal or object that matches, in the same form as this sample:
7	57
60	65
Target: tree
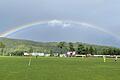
30	50
95	52
51	53
61	45
91	50
2	45
81	49
1	51
86	51
18	53
116	51
71	47
107	51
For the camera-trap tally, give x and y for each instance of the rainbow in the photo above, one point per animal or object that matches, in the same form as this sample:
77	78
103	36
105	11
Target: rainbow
63	22
18	28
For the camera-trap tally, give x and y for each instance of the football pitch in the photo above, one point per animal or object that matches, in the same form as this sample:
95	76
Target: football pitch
16	68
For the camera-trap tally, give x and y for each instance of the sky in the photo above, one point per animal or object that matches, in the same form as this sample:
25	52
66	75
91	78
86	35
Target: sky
102	13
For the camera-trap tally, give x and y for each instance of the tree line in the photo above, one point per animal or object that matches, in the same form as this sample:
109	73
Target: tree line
84	50
58	47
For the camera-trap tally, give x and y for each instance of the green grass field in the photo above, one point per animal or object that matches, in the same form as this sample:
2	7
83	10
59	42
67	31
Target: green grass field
16	68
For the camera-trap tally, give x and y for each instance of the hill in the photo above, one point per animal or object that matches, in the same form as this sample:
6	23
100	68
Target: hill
13	45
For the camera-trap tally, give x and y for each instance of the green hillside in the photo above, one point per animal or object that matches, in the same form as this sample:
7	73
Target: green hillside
17	45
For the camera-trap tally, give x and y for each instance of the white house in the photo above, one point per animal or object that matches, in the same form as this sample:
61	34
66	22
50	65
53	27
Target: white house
77	55
34	54
47	55
62	55
71	54
26	54
38	54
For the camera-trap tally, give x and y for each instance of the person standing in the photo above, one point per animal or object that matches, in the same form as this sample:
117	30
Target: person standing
116	58
104	58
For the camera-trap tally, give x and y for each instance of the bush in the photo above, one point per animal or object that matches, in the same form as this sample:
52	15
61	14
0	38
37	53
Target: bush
17	53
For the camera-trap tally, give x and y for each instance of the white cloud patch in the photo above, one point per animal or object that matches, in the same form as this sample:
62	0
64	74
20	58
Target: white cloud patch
85	24
59	23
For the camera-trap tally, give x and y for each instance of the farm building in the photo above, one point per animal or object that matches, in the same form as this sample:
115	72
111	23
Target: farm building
34	54
71	54
26	54
38	54
47	55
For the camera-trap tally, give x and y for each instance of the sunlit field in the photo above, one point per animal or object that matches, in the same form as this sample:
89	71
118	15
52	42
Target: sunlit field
16	68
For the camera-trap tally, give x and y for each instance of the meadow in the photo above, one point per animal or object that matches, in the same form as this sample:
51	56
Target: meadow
53	68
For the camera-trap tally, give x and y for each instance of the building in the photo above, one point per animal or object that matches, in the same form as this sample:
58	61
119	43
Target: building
27	54
71	54
34	54
38	54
